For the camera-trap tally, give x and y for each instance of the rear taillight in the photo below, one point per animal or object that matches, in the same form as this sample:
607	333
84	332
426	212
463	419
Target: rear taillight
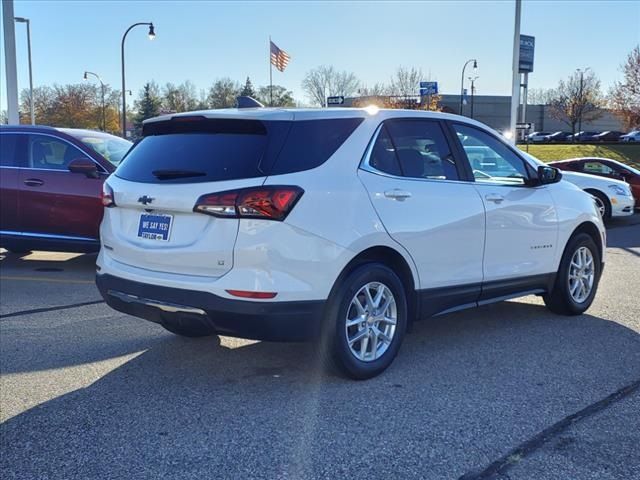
273	202
108	199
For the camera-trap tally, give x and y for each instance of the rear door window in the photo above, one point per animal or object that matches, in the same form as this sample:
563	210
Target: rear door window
422	149
50	153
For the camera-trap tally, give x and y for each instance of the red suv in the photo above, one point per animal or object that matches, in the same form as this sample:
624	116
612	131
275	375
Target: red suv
50	186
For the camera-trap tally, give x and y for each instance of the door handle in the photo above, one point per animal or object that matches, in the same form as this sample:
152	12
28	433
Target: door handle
494	197
33	182
397	194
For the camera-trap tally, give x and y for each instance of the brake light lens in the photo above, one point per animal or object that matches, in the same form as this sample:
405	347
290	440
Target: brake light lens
107	197
273	202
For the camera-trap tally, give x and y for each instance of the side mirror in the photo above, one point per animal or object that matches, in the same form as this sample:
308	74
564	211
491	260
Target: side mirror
547	175
83	165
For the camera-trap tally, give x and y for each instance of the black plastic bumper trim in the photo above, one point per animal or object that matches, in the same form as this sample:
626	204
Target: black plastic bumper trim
273	321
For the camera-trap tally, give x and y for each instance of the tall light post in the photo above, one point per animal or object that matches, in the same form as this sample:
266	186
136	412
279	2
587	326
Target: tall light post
152	35
472	79
581	102
104	121
475	69
33	112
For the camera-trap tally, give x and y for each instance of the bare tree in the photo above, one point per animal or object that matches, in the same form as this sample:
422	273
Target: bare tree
625	96
376	90
325	81
540	96
406	82
577	99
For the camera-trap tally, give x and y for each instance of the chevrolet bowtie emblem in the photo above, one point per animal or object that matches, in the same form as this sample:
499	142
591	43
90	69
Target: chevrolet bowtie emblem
145	200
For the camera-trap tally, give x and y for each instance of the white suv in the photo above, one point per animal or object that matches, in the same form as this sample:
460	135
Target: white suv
339	225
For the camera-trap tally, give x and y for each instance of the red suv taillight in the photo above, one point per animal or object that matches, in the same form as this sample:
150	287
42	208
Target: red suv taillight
273	202
107	197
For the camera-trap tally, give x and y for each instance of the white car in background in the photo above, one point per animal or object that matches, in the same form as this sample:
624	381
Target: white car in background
633	136
536	137
613	197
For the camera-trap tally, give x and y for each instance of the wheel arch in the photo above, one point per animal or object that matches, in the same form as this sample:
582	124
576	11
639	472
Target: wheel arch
592	230
393	259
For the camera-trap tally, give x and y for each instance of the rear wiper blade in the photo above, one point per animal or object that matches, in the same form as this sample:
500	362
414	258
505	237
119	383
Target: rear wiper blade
171	174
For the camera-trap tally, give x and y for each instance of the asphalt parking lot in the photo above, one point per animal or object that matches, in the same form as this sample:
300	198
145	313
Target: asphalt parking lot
505	391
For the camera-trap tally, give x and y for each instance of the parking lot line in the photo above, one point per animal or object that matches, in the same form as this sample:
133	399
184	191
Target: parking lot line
45	279
50	309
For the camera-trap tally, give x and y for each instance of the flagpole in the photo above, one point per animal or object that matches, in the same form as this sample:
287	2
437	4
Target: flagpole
270	75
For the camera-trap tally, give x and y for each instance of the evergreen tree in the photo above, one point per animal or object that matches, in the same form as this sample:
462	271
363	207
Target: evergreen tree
148	104
247	90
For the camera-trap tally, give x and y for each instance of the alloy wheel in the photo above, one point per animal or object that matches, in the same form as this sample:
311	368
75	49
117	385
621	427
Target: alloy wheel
371	321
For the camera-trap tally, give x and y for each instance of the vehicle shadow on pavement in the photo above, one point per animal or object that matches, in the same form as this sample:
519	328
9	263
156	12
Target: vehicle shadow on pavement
464	389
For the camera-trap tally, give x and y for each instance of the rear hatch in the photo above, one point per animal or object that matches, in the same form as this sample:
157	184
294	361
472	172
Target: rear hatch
180	192
157	186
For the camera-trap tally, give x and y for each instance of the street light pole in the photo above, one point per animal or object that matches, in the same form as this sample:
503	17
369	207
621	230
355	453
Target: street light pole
581	102
475	69
152	35
33	112
104	122
473	91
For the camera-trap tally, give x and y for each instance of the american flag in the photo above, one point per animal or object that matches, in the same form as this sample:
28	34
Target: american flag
279	58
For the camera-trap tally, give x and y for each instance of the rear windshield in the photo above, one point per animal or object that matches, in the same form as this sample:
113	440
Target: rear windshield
215	150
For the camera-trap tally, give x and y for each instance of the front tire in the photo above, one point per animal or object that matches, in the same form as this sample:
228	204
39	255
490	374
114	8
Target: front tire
577	279
604	205
365	323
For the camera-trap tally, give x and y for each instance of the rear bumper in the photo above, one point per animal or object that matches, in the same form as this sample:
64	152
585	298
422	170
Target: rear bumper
258	320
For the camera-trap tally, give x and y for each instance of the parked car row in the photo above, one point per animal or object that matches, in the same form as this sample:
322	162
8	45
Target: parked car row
584	136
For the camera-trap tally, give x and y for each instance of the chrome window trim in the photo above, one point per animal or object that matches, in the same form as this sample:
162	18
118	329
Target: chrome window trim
364	163
100	167
47	235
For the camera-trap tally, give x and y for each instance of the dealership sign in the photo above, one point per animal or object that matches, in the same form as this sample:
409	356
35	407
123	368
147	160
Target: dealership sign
527	46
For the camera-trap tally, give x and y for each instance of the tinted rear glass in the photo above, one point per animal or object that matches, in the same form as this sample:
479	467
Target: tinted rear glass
217	150
310	143
8	144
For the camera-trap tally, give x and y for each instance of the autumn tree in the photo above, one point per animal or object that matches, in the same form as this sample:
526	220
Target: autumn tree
325	81
577	99
625	95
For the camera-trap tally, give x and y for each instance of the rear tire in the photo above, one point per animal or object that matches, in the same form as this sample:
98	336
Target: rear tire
577	279
362	341
189	327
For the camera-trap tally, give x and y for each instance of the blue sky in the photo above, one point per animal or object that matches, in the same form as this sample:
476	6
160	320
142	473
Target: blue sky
201	41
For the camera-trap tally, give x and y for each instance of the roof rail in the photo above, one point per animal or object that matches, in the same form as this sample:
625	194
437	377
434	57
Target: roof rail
248	102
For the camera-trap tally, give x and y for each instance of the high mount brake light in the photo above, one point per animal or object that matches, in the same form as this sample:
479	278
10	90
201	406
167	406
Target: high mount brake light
107	196
273	202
